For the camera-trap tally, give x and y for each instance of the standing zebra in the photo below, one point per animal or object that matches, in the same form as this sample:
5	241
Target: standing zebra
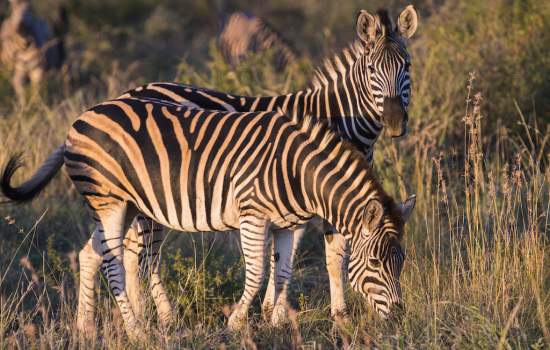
358	93
131	156
29	47
243	33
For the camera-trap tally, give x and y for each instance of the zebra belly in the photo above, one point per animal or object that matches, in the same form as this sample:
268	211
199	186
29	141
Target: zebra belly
224	220
107	177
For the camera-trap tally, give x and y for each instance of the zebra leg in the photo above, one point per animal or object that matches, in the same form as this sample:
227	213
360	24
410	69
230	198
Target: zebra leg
152	236
335	252
114	221
132	249
285	246
35	76
18	82
254	232
89	260
269	297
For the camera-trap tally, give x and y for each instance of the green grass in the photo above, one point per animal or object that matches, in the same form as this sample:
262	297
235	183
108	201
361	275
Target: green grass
476	273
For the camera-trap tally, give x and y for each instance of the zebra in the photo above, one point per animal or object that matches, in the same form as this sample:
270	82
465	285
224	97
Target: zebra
359	92
29	47
243	33
132	156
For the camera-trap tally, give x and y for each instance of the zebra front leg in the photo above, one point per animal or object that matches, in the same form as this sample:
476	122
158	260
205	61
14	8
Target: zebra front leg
285	246
114	221
253	232
152	236
335	252
89	260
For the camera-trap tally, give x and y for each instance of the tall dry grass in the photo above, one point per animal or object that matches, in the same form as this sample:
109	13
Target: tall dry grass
477	246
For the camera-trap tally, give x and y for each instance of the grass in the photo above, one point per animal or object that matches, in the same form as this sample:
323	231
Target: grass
476	273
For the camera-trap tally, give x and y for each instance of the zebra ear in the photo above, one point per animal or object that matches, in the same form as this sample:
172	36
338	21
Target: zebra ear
407	22
366	26
372	218
407	207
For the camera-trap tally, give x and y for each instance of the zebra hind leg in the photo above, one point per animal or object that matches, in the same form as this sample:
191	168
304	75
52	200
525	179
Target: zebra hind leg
152	236
254	232
269	297
114	220
89	260
133	247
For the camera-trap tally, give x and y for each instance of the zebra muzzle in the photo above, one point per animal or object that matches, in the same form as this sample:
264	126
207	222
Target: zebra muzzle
395	117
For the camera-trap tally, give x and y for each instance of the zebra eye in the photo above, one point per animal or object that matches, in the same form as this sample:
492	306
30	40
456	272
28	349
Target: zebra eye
374	262
371	68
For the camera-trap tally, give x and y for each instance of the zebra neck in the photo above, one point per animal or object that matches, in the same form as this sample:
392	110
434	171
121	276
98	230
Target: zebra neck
343	200
346	101
336	182
343	103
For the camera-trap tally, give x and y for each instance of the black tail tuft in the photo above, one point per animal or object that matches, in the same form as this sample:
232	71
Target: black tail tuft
15	162
32	187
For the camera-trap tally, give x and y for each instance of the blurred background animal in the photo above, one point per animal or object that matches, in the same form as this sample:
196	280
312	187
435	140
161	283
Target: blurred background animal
30	46
244	33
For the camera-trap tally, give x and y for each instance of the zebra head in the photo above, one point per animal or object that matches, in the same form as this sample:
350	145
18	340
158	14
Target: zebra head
376	257
385	65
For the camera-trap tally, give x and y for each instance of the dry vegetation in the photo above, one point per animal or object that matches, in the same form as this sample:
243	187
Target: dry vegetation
478	255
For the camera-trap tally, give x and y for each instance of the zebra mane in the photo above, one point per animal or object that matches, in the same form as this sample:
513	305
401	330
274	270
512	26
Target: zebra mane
312	126
385	22
339	63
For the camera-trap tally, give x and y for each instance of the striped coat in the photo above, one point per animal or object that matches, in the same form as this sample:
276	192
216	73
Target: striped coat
131	156
359	92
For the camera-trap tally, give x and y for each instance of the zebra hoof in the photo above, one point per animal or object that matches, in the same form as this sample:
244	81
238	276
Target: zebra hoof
341	318
86	328
267	310
136	335
279	316
237	320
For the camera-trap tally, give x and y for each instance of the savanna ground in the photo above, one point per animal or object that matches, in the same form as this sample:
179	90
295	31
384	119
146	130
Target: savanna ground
477	273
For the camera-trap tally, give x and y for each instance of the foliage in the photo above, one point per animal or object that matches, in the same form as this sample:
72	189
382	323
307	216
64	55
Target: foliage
477	246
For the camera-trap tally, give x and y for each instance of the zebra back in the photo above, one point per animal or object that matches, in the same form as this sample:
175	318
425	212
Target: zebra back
205	162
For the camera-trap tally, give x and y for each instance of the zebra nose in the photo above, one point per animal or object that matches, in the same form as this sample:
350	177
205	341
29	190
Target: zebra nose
397	311
395	117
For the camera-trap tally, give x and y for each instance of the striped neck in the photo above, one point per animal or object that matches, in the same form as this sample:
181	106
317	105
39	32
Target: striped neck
341	95
335	181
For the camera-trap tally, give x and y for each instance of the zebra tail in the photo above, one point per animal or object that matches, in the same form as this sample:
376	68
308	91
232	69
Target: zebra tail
31	188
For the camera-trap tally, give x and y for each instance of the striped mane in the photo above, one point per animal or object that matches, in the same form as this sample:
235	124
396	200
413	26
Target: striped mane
312	126
339	63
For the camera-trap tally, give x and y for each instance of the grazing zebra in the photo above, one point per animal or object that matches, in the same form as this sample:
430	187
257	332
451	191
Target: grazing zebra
244	33
29	47
197	170
358	93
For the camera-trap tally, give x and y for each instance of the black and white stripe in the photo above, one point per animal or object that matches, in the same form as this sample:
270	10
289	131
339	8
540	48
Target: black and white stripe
359	92
130	156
